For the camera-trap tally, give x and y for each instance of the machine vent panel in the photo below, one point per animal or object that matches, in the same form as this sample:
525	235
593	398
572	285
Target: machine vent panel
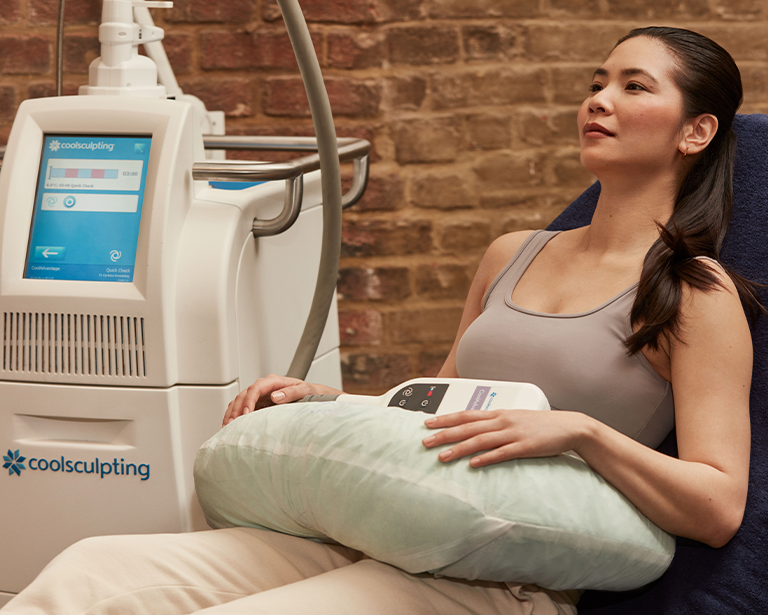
73	344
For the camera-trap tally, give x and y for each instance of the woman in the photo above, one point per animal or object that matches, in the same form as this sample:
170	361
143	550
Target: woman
630	321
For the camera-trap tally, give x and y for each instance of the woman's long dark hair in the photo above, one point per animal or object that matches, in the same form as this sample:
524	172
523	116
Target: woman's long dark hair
710	82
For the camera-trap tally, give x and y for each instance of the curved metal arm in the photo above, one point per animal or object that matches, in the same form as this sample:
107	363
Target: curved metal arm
294	191
359	182
237	170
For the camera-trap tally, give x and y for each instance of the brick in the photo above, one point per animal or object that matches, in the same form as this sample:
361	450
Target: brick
356	50
20	55
630	9
755	85
565	9
11	12
536	218
385	237
423	45
233	96
7	103
46	12
178	48
360	327
48	88
364	132
495	86
744	41
205	11
510	171
487	42
571	83
79	51
431	362
374	373
224	49
286	96
569	172
443	189
426	140
404	93
427	325
383	193
333	11
351	97
464	236
442	9
488	132
400	10
556	42
374	283
548	127
739	9
442	281
514	199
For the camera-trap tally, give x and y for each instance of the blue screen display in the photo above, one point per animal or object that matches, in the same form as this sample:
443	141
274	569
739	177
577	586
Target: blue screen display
88	208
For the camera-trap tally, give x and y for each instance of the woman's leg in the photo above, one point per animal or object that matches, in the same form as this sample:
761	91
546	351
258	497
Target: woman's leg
369	587
172	573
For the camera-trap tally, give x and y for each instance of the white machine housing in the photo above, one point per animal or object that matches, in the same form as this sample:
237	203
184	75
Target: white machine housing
127	379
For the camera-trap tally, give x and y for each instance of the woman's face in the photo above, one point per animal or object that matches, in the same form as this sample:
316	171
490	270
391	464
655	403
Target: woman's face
632	119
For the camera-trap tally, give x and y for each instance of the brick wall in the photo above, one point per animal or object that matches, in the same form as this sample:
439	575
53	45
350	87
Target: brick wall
470	106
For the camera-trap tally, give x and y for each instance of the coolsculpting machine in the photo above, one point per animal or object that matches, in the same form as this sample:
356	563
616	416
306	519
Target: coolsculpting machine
136	299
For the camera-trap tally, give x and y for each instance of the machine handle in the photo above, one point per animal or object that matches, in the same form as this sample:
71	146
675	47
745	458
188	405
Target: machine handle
357	150
294	191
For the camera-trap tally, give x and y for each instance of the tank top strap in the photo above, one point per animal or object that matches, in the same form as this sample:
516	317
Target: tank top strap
512	272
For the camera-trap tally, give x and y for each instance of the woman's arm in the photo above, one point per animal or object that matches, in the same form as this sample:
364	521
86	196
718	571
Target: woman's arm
270	391
702	494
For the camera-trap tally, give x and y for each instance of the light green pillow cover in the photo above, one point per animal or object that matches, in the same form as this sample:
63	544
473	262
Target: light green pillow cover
359	476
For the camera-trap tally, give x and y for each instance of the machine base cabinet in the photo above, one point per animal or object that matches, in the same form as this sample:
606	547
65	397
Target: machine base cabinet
88	461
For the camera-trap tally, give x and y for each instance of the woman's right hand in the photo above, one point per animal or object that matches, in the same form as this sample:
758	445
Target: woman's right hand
270	391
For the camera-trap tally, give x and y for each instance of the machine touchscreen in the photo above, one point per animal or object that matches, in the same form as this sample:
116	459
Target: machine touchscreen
88	206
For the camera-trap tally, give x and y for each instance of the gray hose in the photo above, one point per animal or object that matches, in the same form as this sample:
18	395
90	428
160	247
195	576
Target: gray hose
60	51
330	179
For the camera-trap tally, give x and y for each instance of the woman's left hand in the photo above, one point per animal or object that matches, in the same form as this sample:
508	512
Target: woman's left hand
505	434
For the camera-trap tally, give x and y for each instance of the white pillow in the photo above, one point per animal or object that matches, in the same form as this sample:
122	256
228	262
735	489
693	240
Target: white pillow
359	476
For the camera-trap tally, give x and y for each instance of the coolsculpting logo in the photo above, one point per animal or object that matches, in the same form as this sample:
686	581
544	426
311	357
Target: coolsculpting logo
13	462
490	400
56	145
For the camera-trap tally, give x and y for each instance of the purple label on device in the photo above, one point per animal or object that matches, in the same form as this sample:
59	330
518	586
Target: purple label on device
478	397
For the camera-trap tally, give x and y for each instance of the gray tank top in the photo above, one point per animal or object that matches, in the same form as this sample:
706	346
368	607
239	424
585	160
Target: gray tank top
578	360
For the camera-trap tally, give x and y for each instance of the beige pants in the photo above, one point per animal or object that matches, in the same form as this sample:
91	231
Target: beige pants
239	571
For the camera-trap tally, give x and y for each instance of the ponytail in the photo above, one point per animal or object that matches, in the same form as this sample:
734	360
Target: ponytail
710	83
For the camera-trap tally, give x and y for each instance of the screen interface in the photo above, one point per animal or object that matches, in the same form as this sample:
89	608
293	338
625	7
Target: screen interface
88	208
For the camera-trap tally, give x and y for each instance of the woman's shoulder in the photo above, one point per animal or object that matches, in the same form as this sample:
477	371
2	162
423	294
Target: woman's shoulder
500	252
717	308
508	244
724	289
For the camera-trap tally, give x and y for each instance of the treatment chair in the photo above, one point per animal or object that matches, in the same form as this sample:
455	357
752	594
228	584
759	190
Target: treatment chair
733	579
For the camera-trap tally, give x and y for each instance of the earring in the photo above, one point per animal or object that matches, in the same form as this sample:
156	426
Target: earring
685	153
